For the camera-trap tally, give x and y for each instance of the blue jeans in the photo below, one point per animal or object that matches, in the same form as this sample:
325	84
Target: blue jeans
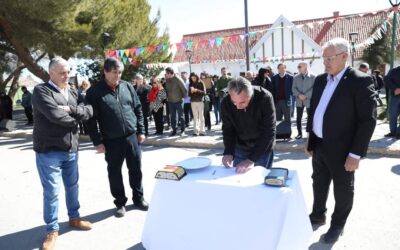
52	167
265	160
217	108
175	107
394	113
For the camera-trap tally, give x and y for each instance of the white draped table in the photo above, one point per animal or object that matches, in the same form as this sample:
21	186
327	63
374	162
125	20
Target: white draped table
215	208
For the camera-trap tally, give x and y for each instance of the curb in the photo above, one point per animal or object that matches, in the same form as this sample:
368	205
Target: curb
210	143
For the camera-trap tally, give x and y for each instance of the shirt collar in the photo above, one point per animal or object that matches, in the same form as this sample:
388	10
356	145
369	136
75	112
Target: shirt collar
56	86
338	76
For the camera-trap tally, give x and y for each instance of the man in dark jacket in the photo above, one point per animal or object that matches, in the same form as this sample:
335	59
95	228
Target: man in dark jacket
27	104
393	83
116	129
57	113
248	126
282	92
143	90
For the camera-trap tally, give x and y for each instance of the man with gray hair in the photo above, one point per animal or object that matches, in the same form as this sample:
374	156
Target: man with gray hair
248	126
341	122
117	130
57	111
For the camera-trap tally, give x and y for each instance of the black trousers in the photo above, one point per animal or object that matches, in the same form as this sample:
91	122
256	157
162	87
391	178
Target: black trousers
326	170
207	119
28	113
187	110
158	120
299	112
118	150
146	121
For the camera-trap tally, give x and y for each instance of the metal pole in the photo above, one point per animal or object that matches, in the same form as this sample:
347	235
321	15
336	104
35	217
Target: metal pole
352	54
392	47
246	23
190	66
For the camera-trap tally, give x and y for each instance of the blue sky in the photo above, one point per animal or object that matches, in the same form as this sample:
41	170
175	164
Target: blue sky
193	16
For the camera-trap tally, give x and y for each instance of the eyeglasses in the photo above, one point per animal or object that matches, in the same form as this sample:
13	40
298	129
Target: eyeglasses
331	58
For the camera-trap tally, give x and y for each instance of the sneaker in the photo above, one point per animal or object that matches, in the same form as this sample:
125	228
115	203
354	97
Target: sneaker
182	133
299	136
50	241
173	133
80	224
120	212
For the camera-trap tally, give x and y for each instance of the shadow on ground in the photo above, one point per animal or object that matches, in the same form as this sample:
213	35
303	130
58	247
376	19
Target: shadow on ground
32	238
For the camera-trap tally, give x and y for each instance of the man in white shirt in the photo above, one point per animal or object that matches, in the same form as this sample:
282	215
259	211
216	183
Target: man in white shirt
341	123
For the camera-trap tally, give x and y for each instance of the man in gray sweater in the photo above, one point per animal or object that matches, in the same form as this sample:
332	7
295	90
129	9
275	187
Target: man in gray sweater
176	91
302	89
57	111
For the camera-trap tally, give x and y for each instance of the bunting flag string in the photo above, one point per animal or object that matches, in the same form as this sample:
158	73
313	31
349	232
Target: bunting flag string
128	55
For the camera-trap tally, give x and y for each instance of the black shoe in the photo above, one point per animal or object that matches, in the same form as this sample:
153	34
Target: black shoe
201	134
316	222
390	135
333	234
141	205
173	133
195	134
120	212
299	136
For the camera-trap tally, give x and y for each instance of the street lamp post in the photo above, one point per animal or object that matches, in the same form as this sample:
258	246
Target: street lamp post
353	37
395	5
189	54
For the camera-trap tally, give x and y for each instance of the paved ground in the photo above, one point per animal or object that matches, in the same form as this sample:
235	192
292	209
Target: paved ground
373	224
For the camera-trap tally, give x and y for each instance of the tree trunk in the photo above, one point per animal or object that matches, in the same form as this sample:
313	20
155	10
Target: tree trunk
22	52
15	85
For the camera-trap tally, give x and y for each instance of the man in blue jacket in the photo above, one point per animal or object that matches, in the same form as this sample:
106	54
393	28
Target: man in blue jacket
117	130
282	92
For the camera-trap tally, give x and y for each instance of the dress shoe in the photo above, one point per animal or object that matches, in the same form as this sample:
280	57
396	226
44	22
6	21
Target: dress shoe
202	134
80	224
317	221
299	136
173	133
120	212
50	241
141	205
333	234
390	135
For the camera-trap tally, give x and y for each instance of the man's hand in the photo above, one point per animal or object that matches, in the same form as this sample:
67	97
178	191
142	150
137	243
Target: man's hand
227	161
306	151
351	164
100	148
65	108
141	138
244	166
397	91
302	97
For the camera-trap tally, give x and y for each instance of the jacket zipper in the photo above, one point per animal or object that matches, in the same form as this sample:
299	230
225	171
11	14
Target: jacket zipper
120	109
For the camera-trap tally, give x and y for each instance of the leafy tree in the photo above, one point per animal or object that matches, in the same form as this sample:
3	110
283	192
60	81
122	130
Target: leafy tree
30	29
379	52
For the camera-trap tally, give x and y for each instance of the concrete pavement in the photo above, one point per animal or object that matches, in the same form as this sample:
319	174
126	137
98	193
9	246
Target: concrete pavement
373	223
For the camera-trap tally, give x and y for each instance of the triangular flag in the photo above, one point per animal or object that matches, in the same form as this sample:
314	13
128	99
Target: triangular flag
121	52
126	52
142	50
212	42
242	37
178	45
189	44
130	59
132	51
203	43
124	59
159	48
183	45
164	47
219	41
252	34
137	51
